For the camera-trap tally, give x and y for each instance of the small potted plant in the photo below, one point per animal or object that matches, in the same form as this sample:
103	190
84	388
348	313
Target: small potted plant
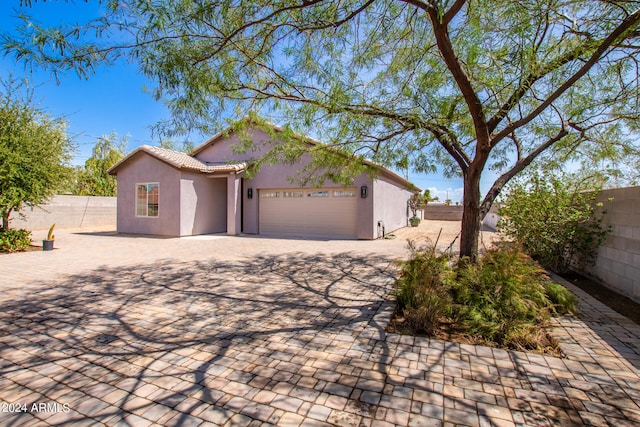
47	244
415	202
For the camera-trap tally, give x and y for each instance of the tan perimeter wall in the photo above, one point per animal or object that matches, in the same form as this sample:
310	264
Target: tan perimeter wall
443	212
79	212
618	263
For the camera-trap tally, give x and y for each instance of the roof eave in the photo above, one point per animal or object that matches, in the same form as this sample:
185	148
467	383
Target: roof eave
309	140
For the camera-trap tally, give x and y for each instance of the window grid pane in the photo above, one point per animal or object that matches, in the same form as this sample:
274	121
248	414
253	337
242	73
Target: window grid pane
344	194
152	201
293	194
141	200
318	194
269	194
147	199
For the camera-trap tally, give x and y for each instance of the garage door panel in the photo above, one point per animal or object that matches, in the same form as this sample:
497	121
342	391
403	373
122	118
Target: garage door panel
308	212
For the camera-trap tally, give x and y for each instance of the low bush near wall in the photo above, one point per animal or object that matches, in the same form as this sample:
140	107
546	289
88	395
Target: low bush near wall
12	240
555	219
506	298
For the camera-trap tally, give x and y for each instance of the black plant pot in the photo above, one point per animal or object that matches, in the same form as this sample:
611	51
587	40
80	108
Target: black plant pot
47	245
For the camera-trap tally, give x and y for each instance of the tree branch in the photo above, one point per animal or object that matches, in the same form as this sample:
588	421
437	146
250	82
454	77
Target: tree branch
615	35
527	83
461	78
453	11
445	136
341	21
499	183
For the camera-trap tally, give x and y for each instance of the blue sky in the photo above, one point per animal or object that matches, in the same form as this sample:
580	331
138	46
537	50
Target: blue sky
114	99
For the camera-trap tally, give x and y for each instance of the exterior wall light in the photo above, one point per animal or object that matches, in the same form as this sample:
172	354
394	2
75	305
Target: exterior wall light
363	192
250	193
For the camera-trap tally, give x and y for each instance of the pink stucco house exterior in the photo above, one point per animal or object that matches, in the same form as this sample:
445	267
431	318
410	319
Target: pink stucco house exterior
168	193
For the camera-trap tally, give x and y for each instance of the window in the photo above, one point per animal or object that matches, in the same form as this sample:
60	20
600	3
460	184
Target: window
318	194
269	194
147	199
345	193
293	194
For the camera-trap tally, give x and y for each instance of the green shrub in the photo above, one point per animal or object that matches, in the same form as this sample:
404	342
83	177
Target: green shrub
562	299
422	291
14	240
555	219
505	298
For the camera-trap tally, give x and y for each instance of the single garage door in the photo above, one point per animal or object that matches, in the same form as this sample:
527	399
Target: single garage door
318	212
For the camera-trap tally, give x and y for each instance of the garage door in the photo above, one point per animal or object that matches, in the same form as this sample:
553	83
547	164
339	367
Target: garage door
318	212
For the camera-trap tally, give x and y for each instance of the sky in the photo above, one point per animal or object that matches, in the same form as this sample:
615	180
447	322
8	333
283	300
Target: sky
114	98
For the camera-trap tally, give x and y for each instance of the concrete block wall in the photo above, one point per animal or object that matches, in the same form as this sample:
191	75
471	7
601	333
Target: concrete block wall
618	262
69	212
443	212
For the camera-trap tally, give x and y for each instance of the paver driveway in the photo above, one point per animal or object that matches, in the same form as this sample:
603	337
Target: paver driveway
249	331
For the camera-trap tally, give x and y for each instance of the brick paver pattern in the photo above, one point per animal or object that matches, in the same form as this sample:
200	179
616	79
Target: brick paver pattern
281	338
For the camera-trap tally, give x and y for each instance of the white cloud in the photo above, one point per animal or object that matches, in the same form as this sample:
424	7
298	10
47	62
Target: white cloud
455	194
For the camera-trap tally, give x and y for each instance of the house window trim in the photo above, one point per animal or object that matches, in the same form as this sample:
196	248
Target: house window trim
135	204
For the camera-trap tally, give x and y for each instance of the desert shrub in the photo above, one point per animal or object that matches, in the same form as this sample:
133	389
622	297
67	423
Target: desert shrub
422	291
555	218
562	299
12	240
506	297
500	291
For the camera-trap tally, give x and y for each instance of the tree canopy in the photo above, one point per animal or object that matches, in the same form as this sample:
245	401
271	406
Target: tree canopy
34	152
462	85
93	179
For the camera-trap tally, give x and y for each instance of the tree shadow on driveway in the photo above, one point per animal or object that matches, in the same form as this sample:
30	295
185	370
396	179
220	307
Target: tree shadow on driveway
174	342
268	340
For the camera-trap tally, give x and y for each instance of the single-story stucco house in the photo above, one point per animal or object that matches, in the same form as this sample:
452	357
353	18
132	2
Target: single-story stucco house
169	193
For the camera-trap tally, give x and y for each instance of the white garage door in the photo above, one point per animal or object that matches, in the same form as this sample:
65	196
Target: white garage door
318	212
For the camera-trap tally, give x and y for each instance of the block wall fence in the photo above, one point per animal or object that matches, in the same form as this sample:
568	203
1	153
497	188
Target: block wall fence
618	262
442	212
69	212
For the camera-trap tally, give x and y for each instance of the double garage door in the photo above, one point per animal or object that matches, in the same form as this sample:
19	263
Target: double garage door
301	212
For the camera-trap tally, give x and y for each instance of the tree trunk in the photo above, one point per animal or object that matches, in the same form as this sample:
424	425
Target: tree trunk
5	220
470	217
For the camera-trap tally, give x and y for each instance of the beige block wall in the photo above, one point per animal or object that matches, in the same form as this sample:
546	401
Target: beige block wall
618	262
441	212
69	212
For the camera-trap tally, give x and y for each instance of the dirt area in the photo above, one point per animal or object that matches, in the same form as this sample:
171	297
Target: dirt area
445	233
31	248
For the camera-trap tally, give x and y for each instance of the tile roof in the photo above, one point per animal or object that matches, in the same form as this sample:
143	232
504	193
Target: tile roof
181	161
175	158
